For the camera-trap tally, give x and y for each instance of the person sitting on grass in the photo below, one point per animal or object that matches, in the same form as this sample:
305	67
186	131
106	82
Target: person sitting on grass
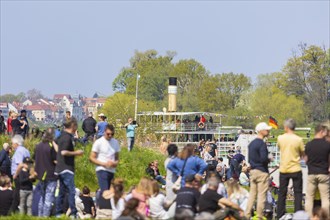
89	206
6	195
243	177
187	196
157	203
153	171
130	211
237	194
117	200
214	203
142	192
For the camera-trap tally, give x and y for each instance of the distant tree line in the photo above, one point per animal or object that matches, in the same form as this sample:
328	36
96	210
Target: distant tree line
32	94
300	90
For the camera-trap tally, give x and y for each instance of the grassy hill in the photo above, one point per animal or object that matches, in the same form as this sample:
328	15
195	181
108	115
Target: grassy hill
131	167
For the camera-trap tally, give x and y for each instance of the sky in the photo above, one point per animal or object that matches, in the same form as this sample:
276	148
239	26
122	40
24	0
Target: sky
81	46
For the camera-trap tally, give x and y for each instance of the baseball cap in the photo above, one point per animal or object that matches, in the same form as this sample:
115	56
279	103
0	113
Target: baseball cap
101	115
27	160
262	126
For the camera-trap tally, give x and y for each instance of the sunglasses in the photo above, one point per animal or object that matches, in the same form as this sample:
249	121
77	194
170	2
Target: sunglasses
110	134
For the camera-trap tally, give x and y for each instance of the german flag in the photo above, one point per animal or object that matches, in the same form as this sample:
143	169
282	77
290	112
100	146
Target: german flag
272	122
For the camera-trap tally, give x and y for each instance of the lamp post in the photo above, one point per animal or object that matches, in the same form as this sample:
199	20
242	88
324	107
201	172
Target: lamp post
136	95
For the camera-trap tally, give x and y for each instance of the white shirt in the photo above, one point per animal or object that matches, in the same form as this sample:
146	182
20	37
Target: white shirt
156	204
117	209
106	151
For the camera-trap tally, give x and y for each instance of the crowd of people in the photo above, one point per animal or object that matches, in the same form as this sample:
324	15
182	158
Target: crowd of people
197	184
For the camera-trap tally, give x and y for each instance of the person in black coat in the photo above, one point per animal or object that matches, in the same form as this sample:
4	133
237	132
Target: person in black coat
5	162
88	127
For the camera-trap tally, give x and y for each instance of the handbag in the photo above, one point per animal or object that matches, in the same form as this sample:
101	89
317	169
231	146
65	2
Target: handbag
177	185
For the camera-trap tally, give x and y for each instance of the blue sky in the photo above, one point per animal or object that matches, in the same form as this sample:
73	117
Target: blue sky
80	46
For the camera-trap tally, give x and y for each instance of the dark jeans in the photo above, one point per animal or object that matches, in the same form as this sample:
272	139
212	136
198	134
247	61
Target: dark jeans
160	179
130	143
235	169
47	197
283	189
88	137
104	178
66	185
16	197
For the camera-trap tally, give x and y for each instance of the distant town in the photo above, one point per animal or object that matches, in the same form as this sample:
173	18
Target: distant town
52	110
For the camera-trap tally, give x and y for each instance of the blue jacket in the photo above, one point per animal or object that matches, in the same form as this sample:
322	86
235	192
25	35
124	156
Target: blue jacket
194	165
5	163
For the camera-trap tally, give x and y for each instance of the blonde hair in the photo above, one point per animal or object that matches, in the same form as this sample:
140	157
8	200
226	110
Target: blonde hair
144	186
233	187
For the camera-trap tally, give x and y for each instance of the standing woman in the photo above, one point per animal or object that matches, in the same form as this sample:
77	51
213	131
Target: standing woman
172	151
187	164
17	125
9	127
163	145
101	125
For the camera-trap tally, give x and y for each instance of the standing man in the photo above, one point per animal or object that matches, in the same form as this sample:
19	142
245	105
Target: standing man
45	158
318	163
105	154
130	133
67	116
259	175
292	150
26	128
65	166
88	127
20	153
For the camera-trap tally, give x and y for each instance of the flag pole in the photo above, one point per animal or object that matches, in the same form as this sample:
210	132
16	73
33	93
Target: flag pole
136	95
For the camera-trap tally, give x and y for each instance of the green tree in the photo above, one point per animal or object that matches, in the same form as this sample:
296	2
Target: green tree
268	99
308	76
13	98
222	92
153	70
190	76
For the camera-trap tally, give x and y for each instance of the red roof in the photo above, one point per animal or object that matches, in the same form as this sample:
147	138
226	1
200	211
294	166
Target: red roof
60	96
